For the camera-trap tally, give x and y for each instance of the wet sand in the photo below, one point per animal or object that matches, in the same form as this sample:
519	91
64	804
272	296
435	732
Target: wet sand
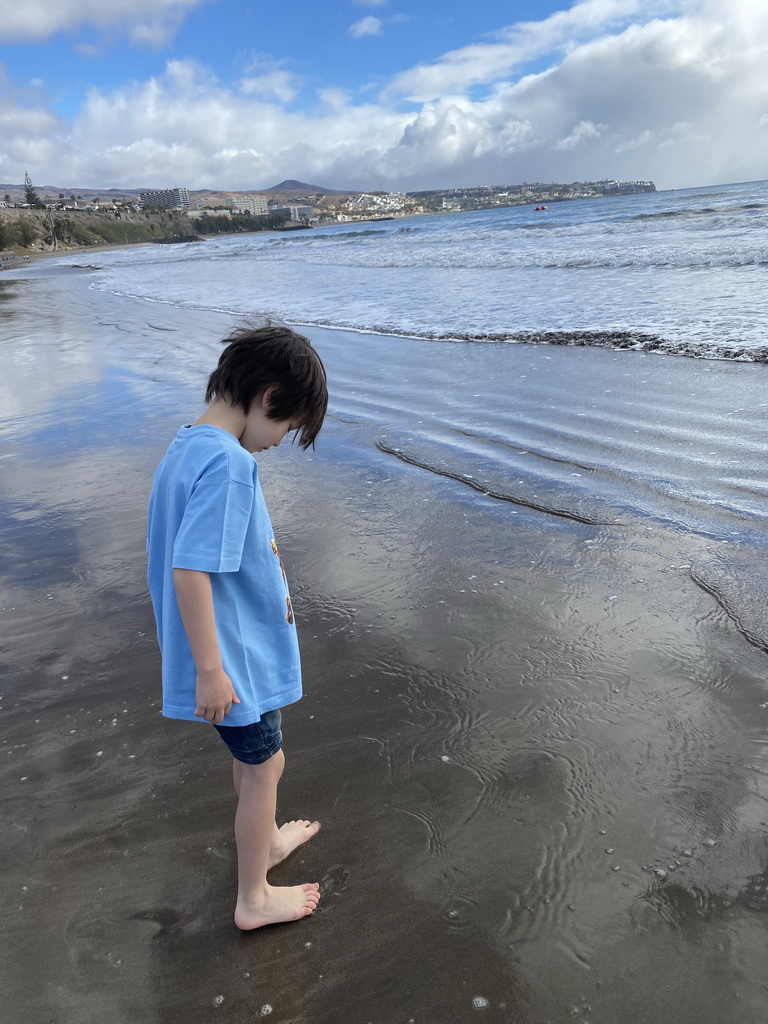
537	746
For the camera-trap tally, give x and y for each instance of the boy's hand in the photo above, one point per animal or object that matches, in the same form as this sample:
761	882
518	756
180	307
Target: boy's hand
215	696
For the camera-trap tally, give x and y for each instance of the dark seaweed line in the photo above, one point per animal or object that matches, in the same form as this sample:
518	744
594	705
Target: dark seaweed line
617	340
748	635
573	516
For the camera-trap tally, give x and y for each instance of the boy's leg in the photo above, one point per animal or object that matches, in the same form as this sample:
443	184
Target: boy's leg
286	838
258	902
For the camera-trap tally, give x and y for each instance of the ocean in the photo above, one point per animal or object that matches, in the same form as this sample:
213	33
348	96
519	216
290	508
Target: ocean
444	302
681	272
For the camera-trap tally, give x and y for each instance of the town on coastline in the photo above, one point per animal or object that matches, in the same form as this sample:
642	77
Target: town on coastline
47	218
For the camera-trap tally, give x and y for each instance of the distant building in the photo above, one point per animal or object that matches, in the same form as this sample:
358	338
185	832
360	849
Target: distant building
208	212
166	198
256	205
292	212
459	203
611	188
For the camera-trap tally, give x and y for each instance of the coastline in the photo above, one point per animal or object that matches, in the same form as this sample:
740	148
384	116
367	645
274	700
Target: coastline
28	258
510	726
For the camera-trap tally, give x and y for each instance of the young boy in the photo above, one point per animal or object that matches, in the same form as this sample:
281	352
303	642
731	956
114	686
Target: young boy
223	612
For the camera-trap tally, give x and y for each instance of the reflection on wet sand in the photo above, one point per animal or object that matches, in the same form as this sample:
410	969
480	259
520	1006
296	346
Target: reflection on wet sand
537	745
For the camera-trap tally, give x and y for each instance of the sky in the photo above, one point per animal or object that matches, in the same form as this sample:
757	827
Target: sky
382	94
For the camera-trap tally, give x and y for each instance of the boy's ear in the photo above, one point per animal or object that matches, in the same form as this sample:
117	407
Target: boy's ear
266	397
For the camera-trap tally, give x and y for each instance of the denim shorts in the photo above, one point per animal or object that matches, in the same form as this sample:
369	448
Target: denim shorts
255	743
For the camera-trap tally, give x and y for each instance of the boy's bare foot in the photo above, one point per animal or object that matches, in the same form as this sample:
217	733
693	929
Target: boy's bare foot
277	905
288	837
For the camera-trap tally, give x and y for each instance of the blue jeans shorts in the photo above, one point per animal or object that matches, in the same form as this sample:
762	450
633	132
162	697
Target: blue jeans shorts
255	743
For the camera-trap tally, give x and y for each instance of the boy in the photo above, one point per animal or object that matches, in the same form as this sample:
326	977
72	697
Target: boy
223	612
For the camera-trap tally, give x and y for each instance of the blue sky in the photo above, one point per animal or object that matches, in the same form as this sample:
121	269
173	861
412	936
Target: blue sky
220	93
229	35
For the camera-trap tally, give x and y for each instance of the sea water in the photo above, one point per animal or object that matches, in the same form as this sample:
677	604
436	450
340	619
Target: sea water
439	304
682	272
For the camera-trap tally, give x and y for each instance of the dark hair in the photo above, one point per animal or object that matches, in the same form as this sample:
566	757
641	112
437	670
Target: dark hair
271	355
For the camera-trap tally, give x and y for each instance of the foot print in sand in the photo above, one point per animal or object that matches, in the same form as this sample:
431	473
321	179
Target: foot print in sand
334	882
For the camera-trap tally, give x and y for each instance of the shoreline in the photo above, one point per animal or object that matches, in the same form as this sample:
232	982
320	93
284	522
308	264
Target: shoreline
28	258
511	723
621	339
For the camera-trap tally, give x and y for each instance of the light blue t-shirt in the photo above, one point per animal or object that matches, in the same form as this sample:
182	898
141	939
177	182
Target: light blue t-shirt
207	512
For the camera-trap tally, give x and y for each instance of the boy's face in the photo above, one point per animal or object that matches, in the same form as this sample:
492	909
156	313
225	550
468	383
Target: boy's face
261	432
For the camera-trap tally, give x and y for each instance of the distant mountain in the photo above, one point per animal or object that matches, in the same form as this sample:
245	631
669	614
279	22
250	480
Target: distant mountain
291	185
53	191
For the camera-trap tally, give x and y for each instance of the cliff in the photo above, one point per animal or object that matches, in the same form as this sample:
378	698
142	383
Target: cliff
26	230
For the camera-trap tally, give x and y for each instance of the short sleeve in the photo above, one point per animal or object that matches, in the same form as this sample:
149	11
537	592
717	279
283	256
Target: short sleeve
215	522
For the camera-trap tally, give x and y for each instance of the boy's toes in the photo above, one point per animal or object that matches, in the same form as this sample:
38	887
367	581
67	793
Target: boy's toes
311	897
290	836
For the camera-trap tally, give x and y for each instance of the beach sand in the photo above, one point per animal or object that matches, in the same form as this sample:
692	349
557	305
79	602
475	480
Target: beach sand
535	746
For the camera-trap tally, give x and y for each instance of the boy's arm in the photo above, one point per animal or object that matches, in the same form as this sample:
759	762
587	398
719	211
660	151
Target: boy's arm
215	695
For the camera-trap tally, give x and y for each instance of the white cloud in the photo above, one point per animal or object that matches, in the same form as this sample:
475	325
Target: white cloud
368	26
265	76
583	131
680	99
335	98
483	63
640	140
150	22
143	135
277	84
282	85
27	128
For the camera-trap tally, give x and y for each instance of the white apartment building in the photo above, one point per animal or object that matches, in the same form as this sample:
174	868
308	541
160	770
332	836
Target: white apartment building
256	205
167	198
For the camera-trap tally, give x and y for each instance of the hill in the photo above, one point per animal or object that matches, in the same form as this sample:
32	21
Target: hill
291	185
26	230
288	189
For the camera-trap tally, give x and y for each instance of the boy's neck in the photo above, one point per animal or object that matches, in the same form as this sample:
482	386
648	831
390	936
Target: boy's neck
220	413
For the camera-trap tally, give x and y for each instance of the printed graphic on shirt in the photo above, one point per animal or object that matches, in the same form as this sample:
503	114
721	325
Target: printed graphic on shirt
289	606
